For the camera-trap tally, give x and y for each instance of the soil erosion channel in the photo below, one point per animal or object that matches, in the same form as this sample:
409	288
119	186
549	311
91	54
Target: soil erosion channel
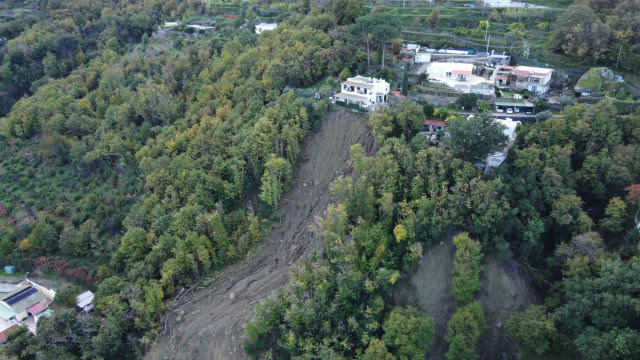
210	324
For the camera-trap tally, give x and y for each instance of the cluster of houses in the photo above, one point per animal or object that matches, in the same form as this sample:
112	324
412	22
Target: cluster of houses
24	304
460	76
456	69
27	302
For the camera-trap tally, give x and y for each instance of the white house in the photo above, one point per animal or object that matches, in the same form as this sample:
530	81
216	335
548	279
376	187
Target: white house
363	91
447	71
199	28
265	26
422	56
536	80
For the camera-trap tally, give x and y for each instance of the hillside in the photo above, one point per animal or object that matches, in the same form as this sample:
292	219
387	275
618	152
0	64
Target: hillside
221	200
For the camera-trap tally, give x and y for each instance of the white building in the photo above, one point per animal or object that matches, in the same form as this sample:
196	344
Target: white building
363	91
536	80
422	56
84	301
200	28
447	71
171	24
25	305
265	27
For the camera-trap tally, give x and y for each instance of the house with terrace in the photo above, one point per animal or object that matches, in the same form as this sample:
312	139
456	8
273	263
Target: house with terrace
536	80
366	92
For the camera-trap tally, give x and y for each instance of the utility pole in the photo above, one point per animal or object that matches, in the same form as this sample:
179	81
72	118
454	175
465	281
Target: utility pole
488	39
486	31
619	52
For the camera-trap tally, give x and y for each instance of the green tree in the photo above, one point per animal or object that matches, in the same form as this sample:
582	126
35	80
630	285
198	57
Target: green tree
599	313
276	177
614	216
377	350
409	333
66	296
467	101
474	138
536	335
466	268
405	81
386	28
463	332
434	18
428	110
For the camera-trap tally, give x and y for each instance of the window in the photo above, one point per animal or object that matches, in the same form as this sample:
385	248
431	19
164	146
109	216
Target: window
448	74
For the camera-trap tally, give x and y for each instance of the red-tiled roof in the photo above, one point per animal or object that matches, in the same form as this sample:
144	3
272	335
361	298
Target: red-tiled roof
461	72
37	308
502	77
3	334
435	123
506	67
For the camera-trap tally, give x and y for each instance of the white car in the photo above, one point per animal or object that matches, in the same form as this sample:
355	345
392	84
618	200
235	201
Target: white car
509	110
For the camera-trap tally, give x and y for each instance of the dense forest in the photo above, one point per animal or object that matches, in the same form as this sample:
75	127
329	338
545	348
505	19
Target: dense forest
136	169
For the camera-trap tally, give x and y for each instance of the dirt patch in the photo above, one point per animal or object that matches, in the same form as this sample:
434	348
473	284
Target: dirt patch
506	288
430	287
210	323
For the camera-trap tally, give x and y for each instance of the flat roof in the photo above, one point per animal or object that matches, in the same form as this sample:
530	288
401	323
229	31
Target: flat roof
452	66
522	70
267	25
358	84
199	27
514	102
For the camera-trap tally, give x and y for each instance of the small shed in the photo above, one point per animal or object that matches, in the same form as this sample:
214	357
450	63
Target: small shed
9	269
84	301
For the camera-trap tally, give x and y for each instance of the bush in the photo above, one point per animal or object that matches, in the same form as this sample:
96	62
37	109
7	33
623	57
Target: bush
409	333
67	296
543	116
461	30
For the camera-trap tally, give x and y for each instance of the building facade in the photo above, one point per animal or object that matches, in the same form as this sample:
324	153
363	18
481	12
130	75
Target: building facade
365	92
536	80
260	28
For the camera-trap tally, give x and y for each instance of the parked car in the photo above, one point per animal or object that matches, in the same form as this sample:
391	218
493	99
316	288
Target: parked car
509	110
529	112
500	110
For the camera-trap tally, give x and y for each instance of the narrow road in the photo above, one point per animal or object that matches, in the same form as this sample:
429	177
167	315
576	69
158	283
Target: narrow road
211	323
